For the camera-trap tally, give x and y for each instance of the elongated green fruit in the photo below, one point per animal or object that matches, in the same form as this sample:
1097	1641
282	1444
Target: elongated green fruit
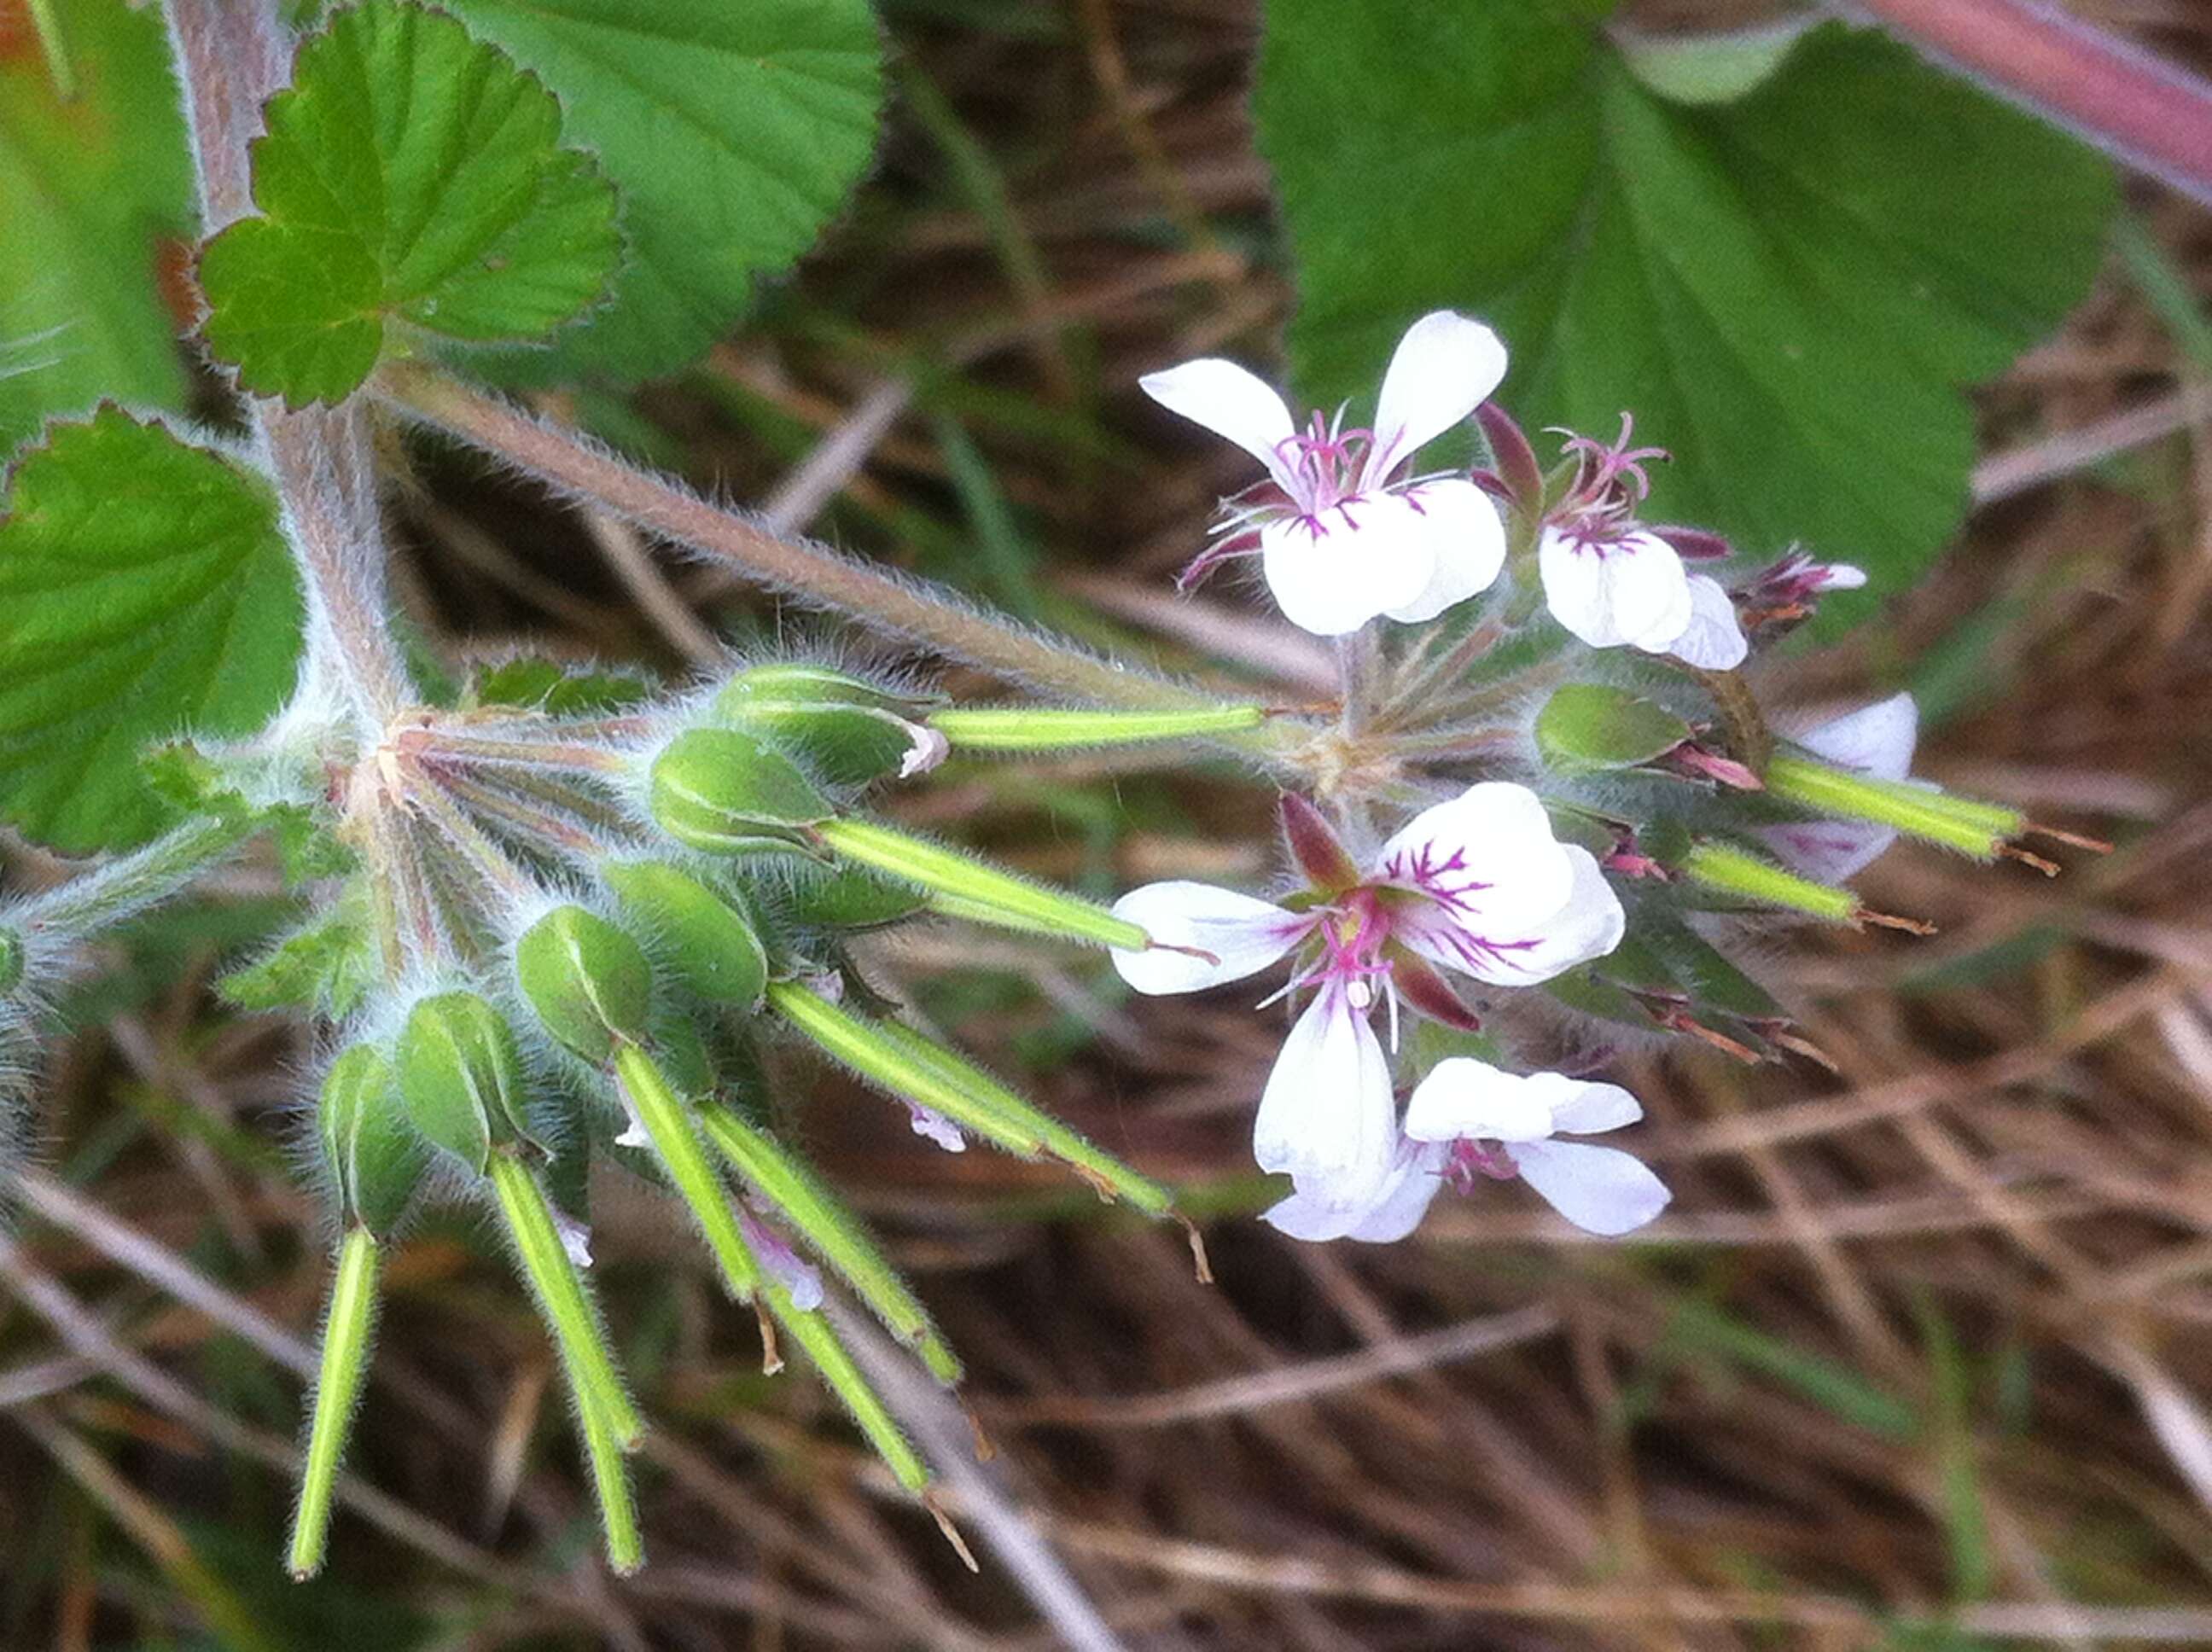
1719	867
813	1334
709	943
604	1449
785	1183
908	1066
561	1298
947	871
587	982
668	1122
1963	824
1046	728
347	1334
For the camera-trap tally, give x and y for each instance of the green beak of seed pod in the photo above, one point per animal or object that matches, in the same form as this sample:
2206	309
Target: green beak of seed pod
851	730
708	941
587	982
461	1077
724	791
375	1155
12	961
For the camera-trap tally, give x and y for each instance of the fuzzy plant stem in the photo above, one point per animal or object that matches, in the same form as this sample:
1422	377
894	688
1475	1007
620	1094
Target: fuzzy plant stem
2136	107
926	615
231	55
127	886
346	1336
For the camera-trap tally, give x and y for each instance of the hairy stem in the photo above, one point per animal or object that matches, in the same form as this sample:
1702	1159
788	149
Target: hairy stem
2137	107
127	886
921	613
231	55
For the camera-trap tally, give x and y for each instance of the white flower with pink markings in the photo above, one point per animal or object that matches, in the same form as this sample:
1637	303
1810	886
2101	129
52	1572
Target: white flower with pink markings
1343	531
1478	885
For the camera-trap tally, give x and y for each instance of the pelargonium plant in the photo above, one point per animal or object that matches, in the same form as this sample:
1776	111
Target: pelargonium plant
565	918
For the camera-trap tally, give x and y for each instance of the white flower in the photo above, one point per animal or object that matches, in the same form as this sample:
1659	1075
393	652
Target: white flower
1713	641
1477	884
1630	589
1343	535
1876	741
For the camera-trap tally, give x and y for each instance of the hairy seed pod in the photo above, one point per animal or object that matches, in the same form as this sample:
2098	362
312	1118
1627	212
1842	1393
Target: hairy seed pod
586	981
724	791
705	939
375	1155
852	732
461	1076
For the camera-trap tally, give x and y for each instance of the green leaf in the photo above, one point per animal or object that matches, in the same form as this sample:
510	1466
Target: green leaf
556	690
88	187
1587	727
734	133
412	178
143	588
1788	290
327	968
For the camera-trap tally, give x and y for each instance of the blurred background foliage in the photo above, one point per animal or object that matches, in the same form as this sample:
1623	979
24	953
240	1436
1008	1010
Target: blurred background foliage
1919	1357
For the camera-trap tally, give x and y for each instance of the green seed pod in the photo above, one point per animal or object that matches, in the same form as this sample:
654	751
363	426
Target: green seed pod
461	1076
725	793
705	939
375	1156
851	730
11	960
586	981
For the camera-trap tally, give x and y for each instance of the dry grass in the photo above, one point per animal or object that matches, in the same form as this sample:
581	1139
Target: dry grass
1921	1355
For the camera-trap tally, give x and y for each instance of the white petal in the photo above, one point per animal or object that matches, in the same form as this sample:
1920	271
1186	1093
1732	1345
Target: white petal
1601	1190
1467	538
1842	576
1334	571
1588	924
1877	739
1582	1108
1395	1211
1489	854
1243	934
1231	401
1631	591
1829	851
1445	367
1713	641
1328	1115
932	1125
1464	1099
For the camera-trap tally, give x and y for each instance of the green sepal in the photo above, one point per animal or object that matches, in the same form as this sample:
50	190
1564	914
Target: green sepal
724	791
849	897
965	879
849	731
375	1156
461	1076
1052	728
786	1182
1588	728
586	981
700	934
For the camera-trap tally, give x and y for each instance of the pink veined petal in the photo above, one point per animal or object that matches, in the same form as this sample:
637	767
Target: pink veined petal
1713	641
1488	857
1328	1116
1444	368
1232	402
1395	1211
1582	1108
1588	924
1633	590
1467	538
1243	934
1334	571
1466	1099
1877	739
1601	1190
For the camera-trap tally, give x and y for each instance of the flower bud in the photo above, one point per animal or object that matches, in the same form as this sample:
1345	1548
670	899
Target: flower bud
375	1155
852	732
725	793
461	1076
11	960
708	941
586	981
